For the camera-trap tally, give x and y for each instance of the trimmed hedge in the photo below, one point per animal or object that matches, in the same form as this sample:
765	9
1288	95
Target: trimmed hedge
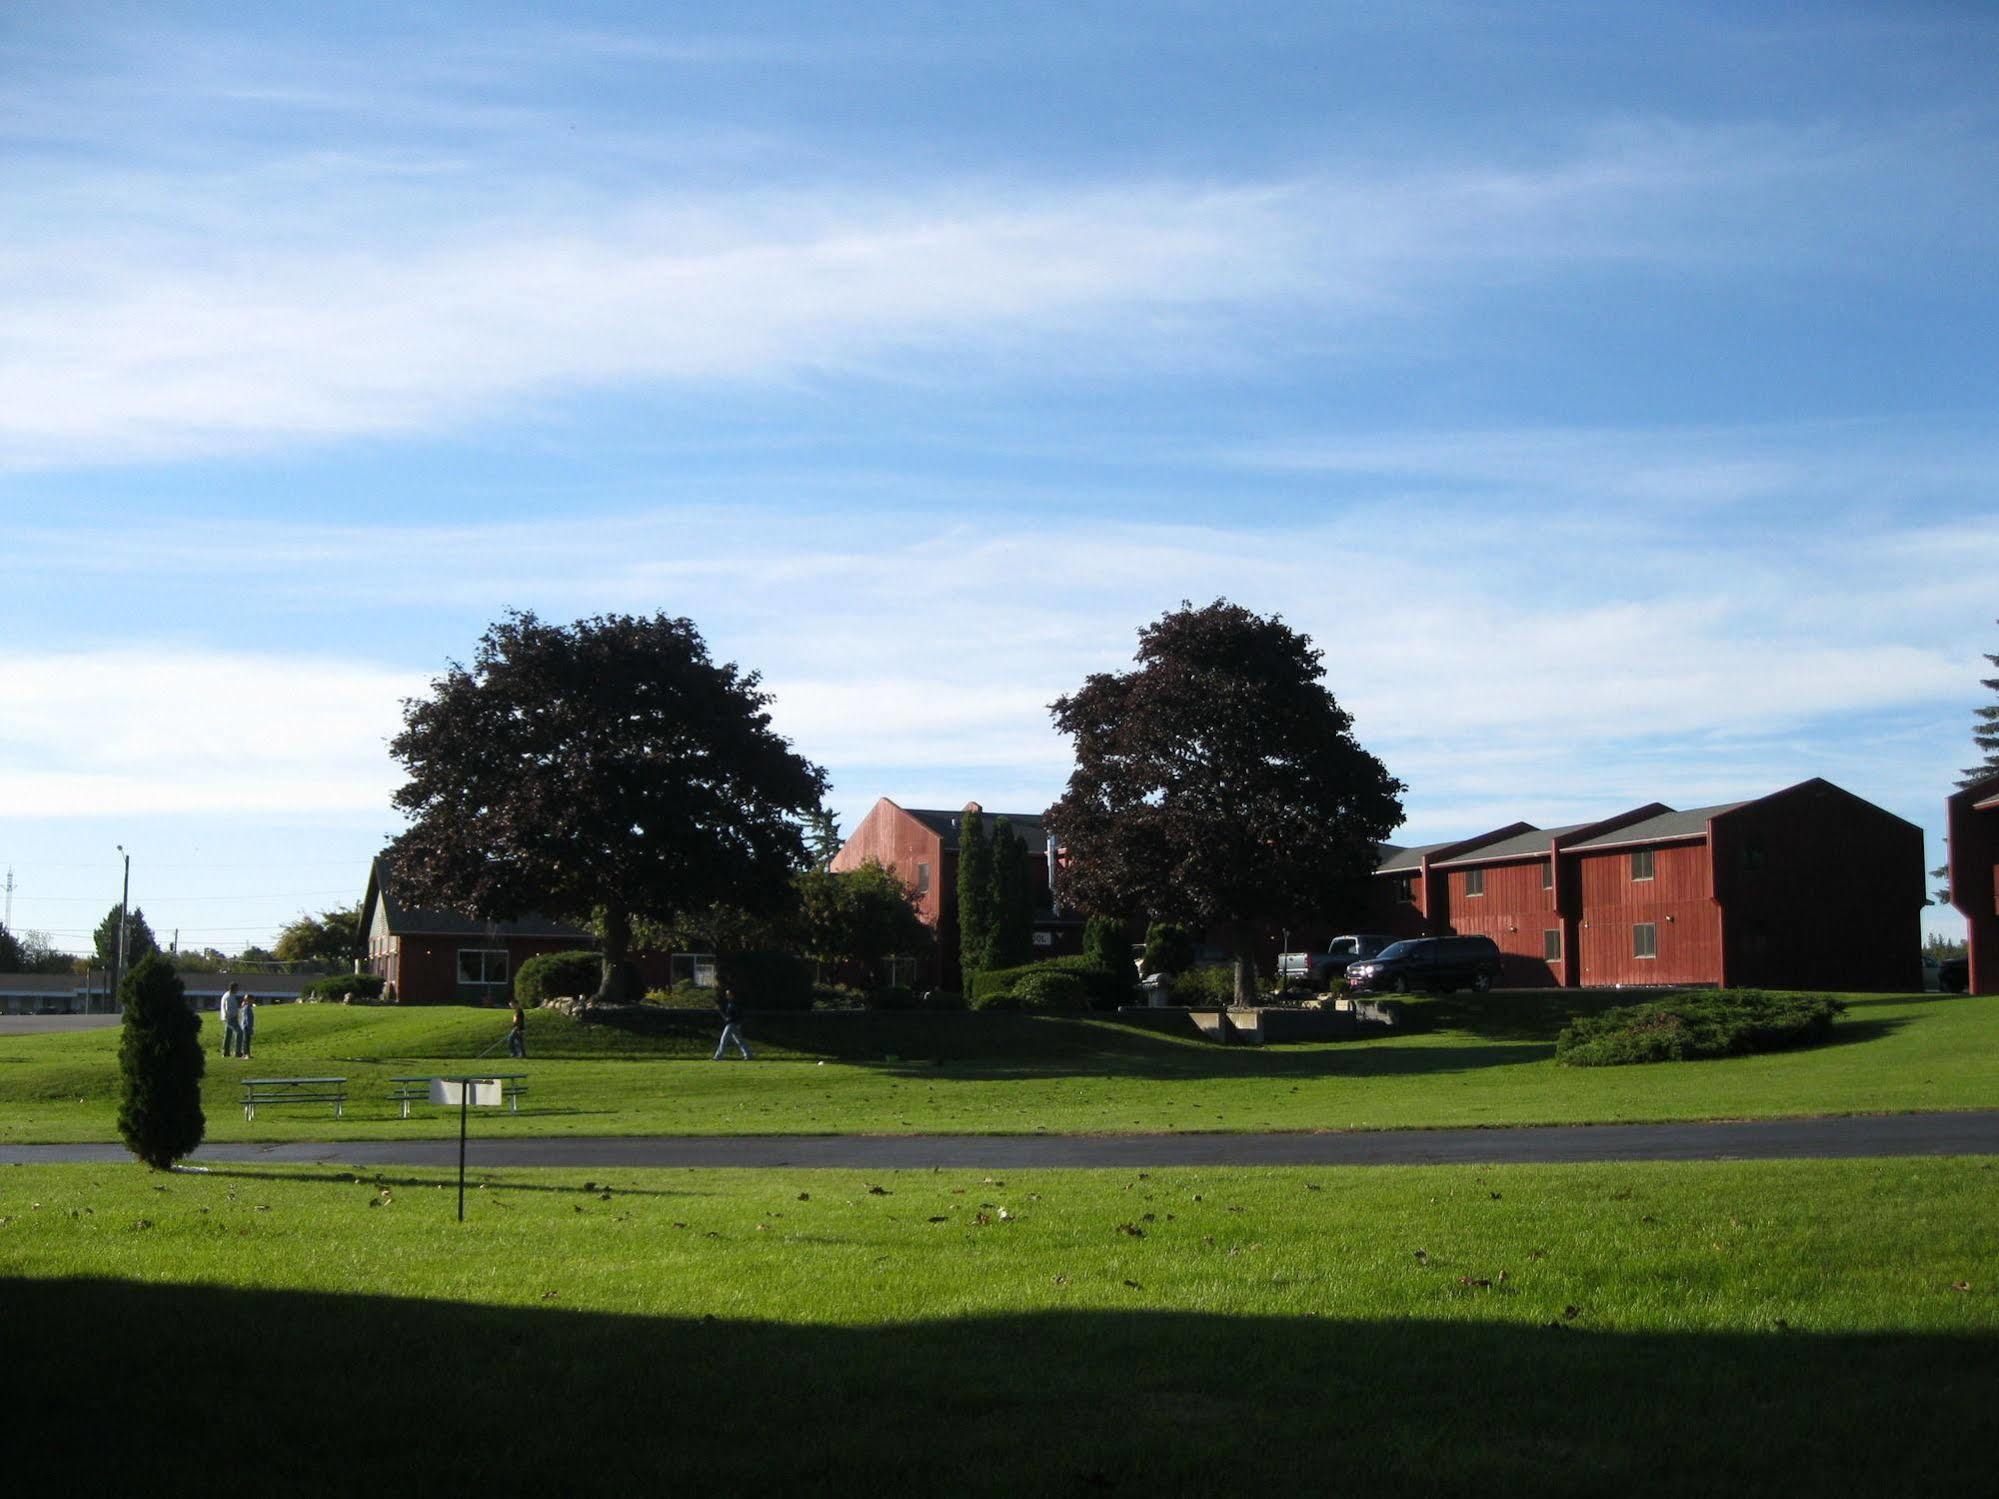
1694	1026
892	997
1206	987
361	985
557	975
1102	989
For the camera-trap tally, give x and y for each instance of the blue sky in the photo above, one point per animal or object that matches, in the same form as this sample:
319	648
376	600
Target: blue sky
1608	390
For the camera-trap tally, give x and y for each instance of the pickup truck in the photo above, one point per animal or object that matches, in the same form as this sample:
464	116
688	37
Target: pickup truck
1321	968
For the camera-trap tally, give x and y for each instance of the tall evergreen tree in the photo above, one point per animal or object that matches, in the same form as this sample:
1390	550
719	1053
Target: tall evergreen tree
1012	941
160	1063
1985	733
822	838
139	938
975	894
1108	945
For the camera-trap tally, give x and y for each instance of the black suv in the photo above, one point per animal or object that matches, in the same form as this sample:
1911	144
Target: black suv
1954	975
1439	964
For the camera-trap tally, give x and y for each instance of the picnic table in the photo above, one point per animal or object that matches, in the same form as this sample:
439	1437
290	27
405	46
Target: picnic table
411	1090
258	1090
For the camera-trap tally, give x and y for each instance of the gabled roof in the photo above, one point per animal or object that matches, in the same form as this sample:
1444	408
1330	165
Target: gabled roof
1531	844
1398	860
1026	825
429	921
1664	828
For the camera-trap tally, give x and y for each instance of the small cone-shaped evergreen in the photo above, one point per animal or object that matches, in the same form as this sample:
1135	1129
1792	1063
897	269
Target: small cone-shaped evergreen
161	1062
1106	944
1012	940
975	893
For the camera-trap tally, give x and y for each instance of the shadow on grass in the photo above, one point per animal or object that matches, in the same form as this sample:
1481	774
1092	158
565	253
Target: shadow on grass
349	1394
484	1178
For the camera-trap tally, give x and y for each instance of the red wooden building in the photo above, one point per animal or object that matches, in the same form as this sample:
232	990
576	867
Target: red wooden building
921	846
1807	888
1973	829
441	957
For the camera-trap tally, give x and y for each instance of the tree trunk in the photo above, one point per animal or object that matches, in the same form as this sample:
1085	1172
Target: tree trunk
613	985
1245	970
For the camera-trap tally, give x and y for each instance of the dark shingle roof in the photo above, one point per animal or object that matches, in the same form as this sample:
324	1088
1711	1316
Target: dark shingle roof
412	921
1691	823
1396	860
1026	825
1518	846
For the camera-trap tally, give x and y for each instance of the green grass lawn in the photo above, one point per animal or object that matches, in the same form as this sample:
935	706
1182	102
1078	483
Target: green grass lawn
1761	1328
1470	1060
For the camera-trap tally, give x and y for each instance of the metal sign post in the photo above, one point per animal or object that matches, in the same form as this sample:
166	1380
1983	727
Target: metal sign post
486	1092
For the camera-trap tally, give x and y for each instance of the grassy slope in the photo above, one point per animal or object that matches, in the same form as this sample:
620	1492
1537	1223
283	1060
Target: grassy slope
1791	1327
1471	1060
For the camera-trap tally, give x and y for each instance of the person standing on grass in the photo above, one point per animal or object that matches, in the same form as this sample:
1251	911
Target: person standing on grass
232	1033
517	1033
246	1024
732	1021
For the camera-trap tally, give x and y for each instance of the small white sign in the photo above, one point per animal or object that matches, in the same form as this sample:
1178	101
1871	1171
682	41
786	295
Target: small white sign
485	1092
1044	939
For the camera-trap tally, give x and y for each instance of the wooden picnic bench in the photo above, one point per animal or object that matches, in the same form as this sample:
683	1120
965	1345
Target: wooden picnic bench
258	1090
409	1090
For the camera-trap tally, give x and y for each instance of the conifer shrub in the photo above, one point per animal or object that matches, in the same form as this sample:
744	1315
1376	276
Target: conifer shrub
557	975
160	1063
1106	945
1697	1025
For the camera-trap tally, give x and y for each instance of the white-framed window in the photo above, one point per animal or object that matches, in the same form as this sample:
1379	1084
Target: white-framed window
922	879
1551	944
1641	864
482	968
1548	875
1645	940
1474	882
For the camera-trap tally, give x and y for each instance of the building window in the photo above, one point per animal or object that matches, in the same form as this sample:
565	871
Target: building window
1752	854
1645	940
482	967
923	879
1548	875
1405	889
1474	882
1551	944
1641	864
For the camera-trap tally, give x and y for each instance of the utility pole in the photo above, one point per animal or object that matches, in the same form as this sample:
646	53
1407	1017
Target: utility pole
124	905
8	920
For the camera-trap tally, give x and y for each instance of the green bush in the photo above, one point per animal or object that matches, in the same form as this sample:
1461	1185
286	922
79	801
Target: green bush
1051	989
160	1063
1697	1025
892	997
1169	948
339	985
993	990
1107	945
682	996
1204	988
766	980
557	975
942	1000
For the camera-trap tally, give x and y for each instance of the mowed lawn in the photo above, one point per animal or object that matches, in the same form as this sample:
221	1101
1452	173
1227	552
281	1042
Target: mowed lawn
1470	1060
1743	1328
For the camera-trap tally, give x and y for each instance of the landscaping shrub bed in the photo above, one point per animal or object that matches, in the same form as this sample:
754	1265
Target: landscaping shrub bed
1093	987
1700	1024
557	975
334	987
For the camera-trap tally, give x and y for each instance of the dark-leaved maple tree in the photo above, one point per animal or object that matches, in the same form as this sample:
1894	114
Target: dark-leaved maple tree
595	773
1219	783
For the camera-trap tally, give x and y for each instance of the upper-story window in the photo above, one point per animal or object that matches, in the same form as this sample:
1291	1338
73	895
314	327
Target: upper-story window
1548	875
1474	882
1405	889
1641	864
922	879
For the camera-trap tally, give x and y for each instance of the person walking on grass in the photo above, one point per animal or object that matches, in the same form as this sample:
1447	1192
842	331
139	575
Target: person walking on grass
517	1033
246	1024
232	1031
732	1029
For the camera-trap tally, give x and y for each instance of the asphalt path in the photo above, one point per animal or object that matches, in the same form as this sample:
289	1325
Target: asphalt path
1968	1133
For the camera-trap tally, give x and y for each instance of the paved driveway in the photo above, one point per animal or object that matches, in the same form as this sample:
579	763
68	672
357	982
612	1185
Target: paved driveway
1761	1139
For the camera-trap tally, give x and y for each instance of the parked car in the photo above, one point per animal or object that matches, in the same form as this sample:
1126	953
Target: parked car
1322	968
1954	975
1437	964
1932	974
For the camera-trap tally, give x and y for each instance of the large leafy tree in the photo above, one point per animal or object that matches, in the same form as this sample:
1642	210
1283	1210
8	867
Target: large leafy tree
328	940
1219	783
139	938
596	772
864	916
13	957
160	1063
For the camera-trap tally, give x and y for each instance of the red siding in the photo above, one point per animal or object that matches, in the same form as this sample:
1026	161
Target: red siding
1515	911
897	841
1678	902
425	969
1820	890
